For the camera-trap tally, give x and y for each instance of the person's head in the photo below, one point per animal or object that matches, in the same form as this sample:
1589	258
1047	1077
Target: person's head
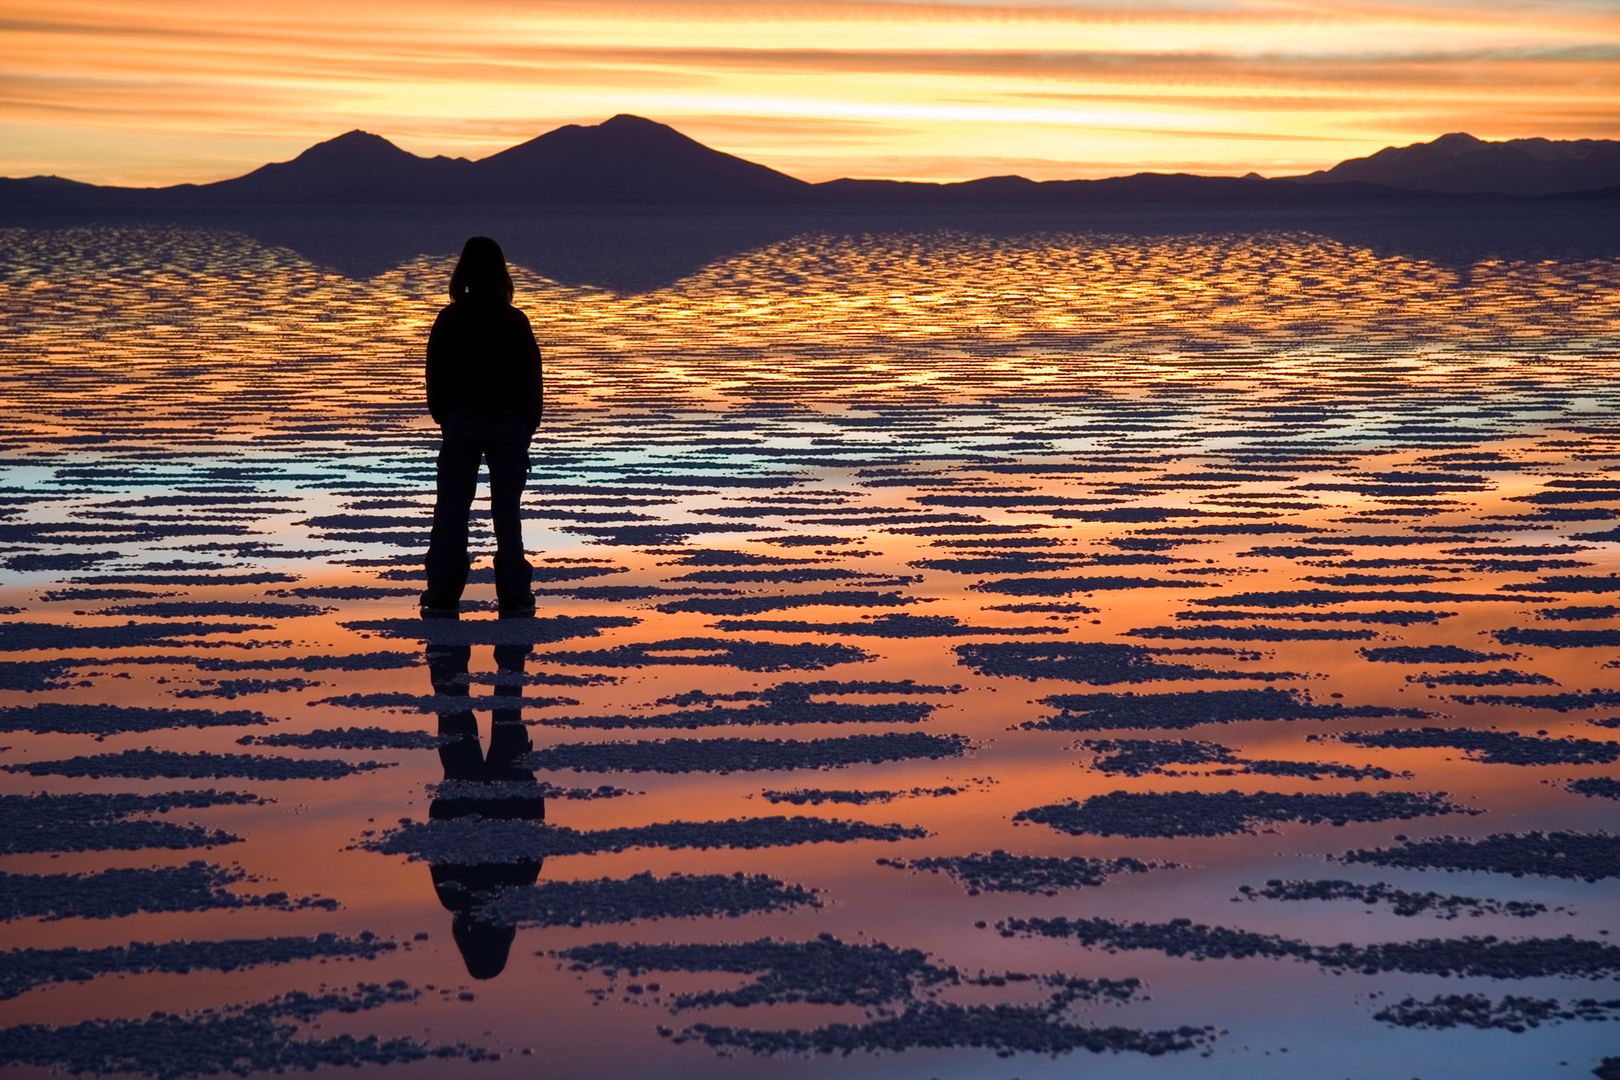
481	272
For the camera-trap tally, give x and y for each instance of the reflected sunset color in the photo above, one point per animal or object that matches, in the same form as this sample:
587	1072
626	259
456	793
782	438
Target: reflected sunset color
823	482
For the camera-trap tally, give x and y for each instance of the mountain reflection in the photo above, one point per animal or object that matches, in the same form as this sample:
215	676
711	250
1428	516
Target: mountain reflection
486	785
635	252
615	252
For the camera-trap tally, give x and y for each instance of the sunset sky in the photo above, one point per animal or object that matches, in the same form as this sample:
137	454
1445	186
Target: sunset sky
161	91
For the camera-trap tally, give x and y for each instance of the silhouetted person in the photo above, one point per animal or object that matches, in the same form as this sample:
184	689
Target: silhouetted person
483	389
487	786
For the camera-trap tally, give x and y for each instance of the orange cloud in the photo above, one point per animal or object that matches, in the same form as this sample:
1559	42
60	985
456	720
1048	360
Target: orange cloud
158	91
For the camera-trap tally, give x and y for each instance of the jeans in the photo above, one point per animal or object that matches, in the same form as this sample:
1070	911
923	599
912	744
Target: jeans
505	447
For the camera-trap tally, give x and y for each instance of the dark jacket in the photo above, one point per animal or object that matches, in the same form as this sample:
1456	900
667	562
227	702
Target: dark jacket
483	362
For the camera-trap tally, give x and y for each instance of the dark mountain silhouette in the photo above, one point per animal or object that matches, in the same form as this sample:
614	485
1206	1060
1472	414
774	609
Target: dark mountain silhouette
631	161
54	191
1461	164
627	159
1140	189
354	167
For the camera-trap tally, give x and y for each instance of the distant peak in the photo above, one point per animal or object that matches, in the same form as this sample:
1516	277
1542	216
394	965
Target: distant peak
627	128
629	120
355	137
1457	140
351	143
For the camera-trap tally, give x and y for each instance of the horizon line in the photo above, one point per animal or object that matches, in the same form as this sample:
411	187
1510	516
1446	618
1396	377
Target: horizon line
859	179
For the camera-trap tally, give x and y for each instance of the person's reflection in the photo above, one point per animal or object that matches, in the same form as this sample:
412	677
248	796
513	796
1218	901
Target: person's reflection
492	785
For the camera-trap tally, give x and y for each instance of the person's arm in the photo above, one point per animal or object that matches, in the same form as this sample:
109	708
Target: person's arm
436	362
534	380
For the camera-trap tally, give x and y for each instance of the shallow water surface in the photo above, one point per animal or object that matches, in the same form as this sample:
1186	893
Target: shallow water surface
983	650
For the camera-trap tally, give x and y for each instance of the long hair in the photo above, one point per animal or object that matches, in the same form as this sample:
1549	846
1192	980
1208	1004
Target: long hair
481	271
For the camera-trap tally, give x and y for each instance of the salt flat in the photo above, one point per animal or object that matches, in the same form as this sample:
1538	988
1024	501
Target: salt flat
1186	650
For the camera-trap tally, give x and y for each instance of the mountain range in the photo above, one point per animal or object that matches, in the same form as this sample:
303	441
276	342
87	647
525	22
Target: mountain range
632	161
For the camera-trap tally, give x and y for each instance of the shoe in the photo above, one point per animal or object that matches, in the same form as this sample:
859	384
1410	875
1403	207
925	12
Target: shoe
433	610
516	611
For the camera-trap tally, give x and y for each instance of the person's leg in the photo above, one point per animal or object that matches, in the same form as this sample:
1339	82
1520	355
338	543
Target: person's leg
509	737
461	754
508	472
447	669
447	548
